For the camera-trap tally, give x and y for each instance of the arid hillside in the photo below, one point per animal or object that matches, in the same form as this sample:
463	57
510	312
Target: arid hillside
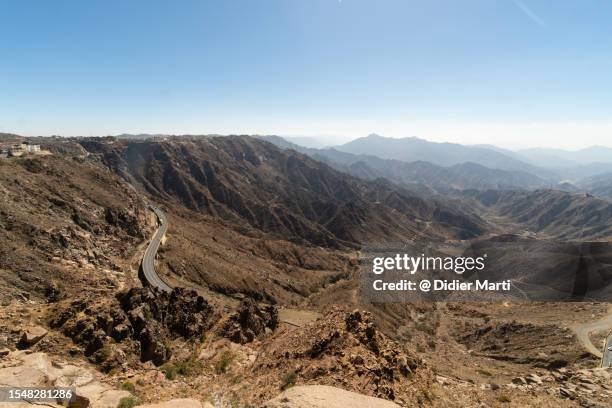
66	223
551	213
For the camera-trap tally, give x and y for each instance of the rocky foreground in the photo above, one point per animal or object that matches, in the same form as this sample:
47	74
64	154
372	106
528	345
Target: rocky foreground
589	387
23	369
249	359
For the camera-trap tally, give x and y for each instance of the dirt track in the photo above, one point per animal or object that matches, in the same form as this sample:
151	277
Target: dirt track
583	330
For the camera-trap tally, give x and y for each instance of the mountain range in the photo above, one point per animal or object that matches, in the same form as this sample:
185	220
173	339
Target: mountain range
443	154
443	167
280	191
419	175
268	235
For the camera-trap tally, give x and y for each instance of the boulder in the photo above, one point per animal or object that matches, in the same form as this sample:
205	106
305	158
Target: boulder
322	396
101	395
139	315
30	336
38	370
534	378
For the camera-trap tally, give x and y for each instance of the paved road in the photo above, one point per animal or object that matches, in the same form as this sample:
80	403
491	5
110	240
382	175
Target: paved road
606	361
148	260
583	330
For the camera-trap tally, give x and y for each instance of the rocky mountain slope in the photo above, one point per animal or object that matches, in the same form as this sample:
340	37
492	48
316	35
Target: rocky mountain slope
552	213
247	217
600	185
249	181
65	223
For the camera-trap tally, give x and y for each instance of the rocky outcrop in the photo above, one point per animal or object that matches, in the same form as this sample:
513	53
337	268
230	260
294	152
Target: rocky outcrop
181	311
361	325
120	217
250	322
321	396
344	350
140	318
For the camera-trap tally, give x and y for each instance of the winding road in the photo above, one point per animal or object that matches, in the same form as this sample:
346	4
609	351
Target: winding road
148	260
148	269
583	331
606	360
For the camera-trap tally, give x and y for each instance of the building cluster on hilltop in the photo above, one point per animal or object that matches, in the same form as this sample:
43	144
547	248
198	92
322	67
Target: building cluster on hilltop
18	149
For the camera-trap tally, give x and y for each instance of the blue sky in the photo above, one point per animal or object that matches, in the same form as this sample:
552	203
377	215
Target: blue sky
507	72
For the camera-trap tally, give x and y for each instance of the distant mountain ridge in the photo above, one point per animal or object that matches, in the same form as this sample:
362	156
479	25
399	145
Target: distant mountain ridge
589	155
475	167
441	179
413	149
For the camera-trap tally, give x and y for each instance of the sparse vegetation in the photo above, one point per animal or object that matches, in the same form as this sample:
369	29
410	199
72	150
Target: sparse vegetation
32	165
185	368
429	395
128	386
504	398
288	380
405	333
236	379
128	402
484	372
223	362
169	372
425	328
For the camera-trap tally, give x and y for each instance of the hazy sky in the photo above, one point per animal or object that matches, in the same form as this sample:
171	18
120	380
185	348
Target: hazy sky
509	72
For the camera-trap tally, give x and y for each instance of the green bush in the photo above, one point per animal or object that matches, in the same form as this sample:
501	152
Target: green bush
128	402
288	380
484	372
405	333
128	386
189	367
503	398
32	165
170	372
223	363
